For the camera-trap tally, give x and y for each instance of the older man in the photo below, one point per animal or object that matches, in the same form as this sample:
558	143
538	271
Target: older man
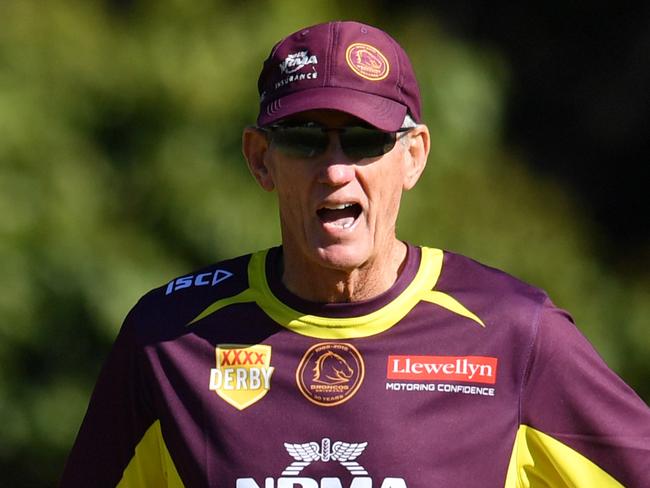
346	357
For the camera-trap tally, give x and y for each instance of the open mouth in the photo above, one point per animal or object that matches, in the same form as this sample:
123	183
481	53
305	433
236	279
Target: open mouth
342	215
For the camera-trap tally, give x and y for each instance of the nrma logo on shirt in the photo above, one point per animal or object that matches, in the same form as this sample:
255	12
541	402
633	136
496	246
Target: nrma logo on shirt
243	373
343	453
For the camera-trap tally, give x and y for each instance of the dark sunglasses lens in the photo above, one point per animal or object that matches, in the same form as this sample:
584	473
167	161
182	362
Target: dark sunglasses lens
303	142
356	142
360	142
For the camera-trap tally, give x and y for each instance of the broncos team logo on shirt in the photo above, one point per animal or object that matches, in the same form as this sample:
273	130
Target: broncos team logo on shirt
330	373
332	369
243	373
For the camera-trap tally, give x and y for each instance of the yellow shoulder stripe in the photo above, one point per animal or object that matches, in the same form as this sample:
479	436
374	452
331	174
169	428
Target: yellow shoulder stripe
373	323
451	304
539	460
152	464
248	295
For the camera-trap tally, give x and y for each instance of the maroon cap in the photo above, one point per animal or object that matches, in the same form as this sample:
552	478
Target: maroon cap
346	66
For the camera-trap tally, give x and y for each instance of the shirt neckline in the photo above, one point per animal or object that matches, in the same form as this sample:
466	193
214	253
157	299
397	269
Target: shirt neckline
339	309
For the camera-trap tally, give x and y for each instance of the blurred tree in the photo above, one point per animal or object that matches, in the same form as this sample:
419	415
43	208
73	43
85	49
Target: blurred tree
120	168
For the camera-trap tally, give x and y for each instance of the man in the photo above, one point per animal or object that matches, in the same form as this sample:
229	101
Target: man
346	357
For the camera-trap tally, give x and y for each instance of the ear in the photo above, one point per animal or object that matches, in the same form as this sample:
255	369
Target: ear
255	147
417	152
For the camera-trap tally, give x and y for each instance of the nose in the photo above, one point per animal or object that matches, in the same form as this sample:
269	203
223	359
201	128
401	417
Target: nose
335	169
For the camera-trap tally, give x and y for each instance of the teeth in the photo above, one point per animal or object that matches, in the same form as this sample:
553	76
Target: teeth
342	206
346	225
344	220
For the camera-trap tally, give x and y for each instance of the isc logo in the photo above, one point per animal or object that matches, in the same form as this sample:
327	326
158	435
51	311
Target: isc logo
204	279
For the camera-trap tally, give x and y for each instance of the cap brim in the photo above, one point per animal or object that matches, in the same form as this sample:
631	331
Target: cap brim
383	113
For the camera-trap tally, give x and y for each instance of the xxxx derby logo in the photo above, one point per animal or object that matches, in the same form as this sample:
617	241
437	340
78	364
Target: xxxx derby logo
367	61
243	373
330	373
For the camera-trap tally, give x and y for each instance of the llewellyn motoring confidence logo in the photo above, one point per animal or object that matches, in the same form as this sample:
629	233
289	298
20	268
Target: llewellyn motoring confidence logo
442	374
474	369
330	373
243	373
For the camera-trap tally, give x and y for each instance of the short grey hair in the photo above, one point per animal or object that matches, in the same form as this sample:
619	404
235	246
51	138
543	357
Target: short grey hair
408	123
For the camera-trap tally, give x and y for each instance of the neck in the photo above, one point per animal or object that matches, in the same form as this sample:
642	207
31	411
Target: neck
317	283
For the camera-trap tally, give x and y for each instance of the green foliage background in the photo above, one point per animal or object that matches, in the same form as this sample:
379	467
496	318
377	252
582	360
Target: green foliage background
120	169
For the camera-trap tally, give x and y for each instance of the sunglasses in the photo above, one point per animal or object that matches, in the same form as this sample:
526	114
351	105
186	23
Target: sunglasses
309	140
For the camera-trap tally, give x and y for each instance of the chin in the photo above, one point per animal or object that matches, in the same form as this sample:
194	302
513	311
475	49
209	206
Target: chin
343	257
